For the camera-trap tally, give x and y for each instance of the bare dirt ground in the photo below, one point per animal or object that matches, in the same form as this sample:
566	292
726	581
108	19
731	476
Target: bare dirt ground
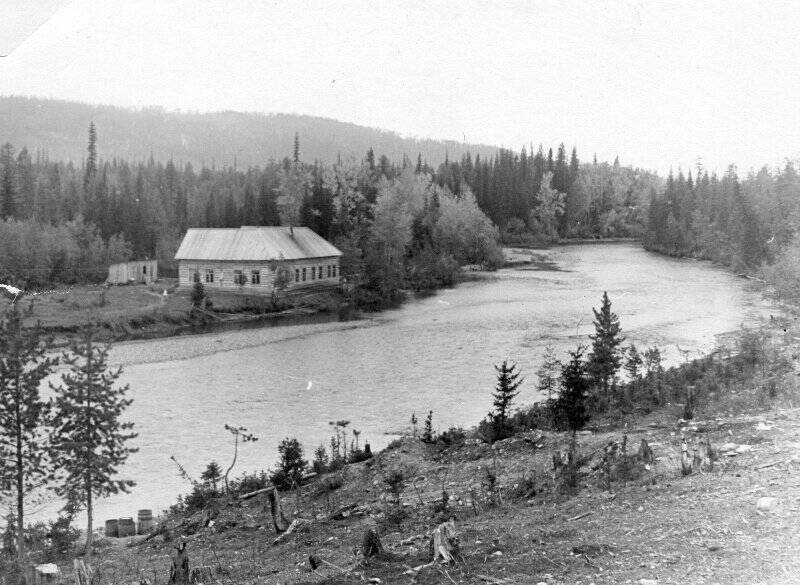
659	527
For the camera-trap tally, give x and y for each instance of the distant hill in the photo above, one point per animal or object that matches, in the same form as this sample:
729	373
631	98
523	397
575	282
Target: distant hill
219	138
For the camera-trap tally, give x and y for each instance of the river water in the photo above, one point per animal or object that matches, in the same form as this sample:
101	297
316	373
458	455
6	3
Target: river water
435	353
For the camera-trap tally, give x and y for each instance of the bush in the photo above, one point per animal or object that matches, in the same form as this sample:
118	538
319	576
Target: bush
452	437
247	483
198	294
321	461
291	463
199	498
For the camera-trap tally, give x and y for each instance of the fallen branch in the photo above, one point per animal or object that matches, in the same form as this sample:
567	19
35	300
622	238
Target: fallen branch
296	523
554	563
772	463
264	490
579	516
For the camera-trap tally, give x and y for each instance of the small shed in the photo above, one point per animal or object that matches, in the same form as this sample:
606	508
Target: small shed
134	271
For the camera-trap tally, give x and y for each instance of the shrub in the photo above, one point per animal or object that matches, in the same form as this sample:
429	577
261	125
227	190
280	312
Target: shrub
452	437
199	498
320	462
291	464
198	294
250	482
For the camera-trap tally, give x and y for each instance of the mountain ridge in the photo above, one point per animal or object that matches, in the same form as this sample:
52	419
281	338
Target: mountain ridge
219	139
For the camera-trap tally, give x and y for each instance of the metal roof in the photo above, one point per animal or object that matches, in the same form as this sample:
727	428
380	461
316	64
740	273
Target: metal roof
254	243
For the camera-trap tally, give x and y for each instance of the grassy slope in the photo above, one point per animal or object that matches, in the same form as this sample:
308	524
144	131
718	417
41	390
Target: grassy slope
704	528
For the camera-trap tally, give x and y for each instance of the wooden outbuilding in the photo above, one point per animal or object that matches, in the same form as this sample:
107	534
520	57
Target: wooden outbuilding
135	271
256	260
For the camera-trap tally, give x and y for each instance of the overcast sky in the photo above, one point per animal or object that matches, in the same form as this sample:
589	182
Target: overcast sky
658	83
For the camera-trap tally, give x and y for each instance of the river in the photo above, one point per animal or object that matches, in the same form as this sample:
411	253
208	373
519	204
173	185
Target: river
434	353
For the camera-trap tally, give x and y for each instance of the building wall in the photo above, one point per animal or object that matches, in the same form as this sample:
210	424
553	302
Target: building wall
224	274
137	270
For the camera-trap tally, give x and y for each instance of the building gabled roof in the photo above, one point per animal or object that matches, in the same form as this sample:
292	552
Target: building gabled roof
254	243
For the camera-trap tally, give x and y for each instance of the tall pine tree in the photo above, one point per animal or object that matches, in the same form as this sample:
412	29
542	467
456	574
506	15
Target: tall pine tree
89	438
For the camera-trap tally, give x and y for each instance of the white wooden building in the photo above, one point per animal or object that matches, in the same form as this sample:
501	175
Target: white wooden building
248	259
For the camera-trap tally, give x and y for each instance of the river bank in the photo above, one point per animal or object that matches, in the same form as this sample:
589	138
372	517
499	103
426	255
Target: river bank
640	522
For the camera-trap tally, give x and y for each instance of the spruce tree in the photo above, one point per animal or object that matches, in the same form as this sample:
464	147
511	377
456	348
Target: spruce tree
91	159
90	439
25	464
508	383
605	358
8	182
571	407
548	373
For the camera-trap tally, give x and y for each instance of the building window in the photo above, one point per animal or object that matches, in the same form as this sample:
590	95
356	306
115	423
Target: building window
196	276
304	274
320	272
334	270
297	275
209	275
144	269
255	277
313	272
239	277
329	270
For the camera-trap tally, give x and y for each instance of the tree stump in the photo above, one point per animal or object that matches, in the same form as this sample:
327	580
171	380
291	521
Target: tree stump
179	573
279	521
703	455
371	545
81	572
686	460
645	453
444	543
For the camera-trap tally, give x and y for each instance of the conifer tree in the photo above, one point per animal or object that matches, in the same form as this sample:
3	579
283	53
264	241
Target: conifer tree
91	159
605	358
8	182
90	439
508	383
25	464
571	406
548	373
212	474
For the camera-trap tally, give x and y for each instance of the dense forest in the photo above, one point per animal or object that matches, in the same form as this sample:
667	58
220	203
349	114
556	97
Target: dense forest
402	223
748	224
65	222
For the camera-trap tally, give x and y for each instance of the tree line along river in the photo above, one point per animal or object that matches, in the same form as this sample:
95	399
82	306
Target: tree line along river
433	353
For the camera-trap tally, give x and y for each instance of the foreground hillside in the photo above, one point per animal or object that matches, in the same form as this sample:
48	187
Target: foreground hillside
213	139
623	517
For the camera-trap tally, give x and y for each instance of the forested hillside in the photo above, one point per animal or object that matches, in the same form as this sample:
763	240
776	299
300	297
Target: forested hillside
402	221
65	222
743	223
215	140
